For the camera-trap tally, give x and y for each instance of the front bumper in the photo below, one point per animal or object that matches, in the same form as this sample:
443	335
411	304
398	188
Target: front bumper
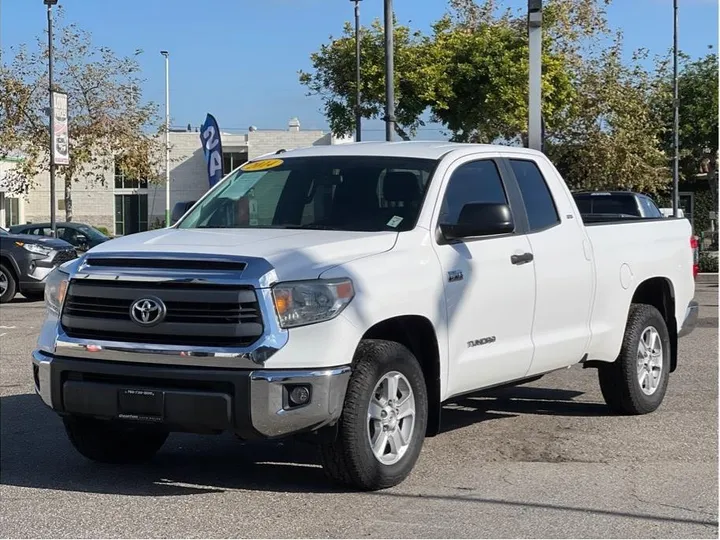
35	268
251	403
690	320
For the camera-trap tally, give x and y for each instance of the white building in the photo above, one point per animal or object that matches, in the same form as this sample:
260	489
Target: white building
124	206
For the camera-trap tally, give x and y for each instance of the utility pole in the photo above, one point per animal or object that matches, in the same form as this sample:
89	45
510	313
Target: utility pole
53	201
535	127
358	94
389	72
166	54
676	114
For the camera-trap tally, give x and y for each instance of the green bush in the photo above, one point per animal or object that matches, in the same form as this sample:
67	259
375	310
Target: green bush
708	263
103	230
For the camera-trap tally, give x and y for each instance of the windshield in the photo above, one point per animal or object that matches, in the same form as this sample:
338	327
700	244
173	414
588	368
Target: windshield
91	232
343	193
3	232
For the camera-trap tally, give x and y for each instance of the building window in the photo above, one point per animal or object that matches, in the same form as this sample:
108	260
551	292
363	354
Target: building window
131	214
12	211
232	160
124	182
687	205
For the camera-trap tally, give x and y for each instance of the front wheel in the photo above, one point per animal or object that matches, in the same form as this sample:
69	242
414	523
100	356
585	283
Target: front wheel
113	442
636	382
8	285
382	427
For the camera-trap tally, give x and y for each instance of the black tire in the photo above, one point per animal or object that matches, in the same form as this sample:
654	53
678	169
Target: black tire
112	442
34	296
11	288
349	459
619	380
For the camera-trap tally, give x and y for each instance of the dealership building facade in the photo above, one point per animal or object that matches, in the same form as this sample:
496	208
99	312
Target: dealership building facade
125	206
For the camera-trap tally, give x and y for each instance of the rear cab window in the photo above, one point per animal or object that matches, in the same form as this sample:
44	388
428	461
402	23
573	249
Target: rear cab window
539	203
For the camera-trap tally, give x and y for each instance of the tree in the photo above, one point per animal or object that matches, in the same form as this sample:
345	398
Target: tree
470	74
698	91
333	78
108	122
610	137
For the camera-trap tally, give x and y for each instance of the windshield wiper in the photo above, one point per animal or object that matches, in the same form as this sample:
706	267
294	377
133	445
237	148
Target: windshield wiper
310	226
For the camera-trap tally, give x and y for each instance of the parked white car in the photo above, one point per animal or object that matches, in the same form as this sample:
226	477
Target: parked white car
347	292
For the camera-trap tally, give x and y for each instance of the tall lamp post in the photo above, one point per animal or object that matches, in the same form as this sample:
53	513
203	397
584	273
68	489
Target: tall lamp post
535	127
389	72
676	115
51	110
166	54
358	113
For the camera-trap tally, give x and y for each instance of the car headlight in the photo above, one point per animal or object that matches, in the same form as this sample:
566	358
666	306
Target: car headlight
306	302
56	286
35	248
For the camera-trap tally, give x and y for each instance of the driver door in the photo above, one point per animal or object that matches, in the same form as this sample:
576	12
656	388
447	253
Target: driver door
489	296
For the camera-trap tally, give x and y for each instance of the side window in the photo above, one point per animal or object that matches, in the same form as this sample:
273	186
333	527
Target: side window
539	204
478	181
651	210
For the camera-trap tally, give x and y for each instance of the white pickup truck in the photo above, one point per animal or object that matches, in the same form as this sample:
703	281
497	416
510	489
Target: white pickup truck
347	292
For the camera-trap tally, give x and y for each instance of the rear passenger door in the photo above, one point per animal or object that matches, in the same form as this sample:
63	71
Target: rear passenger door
564	271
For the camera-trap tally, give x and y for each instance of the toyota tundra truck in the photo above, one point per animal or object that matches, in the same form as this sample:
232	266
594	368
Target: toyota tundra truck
345	293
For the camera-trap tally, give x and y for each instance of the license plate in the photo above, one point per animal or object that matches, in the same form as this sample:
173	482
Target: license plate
141	404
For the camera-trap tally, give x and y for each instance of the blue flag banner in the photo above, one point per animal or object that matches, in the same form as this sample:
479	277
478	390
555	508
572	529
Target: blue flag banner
212	148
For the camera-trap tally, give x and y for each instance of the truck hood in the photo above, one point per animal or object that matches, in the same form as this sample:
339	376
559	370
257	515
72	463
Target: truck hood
295	254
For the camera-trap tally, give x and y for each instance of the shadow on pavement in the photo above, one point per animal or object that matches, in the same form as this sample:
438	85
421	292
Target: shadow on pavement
36	453
511	402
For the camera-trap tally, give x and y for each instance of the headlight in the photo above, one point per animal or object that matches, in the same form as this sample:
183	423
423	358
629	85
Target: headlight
35	248
306	302
55	288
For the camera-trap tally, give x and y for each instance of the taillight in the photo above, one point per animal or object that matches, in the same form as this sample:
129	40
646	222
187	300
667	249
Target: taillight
696	255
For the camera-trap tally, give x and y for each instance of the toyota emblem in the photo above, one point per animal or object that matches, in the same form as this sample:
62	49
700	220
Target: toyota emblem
147	311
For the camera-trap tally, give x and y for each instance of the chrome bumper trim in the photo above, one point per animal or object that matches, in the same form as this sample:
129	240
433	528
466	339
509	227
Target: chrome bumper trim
691	318
269	417
44	389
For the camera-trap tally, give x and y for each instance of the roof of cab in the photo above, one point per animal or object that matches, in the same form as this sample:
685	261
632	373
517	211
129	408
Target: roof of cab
409	149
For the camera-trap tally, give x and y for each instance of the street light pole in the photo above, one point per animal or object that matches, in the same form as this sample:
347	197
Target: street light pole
389	73
676	114
535	128
51	110
166	54
358	113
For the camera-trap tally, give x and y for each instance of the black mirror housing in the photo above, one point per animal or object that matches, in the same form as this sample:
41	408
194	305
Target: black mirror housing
480	219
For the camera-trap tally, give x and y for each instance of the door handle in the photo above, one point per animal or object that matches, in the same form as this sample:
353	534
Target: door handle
522	259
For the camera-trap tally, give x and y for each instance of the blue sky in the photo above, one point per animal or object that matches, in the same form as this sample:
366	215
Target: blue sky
239	58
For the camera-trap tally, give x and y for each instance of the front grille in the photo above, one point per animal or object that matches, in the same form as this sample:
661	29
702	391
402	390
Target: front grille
197	314
64	256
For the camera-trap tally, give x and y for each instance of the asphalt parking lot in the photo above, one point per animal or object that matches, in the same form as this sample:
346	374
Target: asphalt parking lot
541	460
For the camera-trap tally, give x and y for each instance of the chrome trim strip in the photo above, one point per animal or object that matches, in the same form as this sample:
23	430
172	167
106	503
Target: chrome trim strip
691	317
258	274
269	417
45	389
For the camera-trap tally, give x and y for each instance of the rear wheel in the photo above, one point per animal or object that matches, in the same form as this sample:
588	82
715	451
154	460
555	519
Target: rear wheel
637	381
382	427
113	442
8	285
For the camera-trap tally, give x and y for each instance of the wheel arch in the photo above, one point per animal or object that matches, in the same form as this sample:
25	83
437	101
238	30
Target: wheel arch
9	263
417	333
659	292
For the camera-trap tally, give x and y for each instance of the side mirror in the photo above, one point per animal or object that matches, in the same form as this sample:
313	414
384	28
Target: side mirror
479	219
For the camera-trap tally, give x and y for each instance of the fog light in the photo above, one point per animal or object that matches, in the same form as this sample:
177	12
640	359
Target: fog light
299	395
